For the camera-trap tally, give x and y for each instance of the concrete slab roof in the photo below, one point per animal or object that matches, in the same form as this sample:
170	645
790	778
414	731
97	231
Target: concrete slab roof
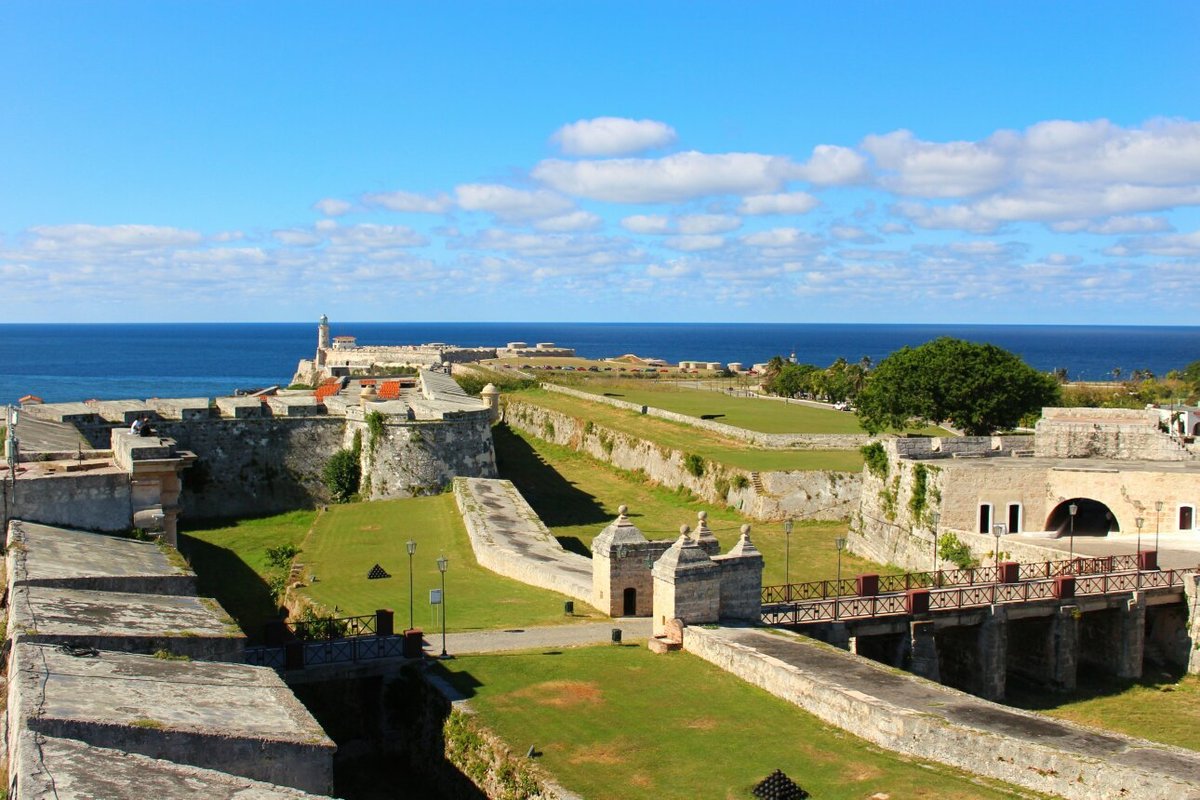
141	623
43	555
231	717
48	767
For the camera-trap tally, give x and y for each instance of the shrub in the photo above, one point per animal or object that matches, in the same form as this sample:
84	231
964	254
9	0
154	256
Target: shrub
876	459
342	474
740	482
694	464
956	552
282	555
375	421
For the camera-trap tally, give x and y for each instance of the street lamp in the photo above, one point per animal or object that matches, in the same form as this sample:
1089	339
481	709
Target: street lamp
1158	507
935	517
787	553
840	544
411	546
998	530
1140	521
1073	509
442	563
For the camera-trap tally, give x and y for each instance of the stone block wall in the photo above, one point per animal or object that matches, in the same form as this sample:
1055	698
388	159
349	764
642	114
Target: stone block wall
799	441
819	494
1113	433
94	501
420	457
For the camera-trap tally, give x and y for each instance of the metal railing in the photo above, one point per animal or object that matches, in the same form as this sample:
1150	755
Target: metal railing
339	628
962	597
943	578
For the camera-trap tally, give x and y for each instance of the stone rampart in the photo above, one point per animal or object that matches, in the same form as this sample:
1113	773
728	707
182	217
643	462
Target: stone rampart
818	494
1113	433
981	749
98	500
509	539
792	441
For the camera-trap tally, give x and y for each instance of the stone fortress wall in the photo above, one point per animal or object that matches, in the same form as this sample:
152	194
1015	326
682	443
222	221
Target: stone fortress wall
259	456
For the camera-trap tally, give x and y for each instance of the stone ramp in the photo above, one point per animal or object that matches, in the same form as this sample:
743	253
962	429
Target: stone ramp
39	435
910	715
509	539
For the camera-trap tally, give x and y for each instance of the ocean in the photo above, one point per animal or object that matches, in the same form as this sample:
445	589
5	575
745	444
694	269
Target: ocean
113	361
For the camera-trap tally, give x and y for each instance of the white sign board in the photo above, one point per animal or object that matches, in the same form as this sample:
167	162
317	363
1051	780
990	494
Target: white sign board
435	597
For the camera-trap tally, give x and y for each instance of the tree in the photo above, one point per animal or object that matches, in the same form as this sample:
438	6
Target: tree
978	388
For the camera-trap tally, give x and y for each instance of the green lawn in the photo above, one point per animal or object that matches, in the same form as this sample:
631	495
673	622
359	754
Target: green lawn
577	495
1160	707
350	539
689	439
620	722
751	413
231	563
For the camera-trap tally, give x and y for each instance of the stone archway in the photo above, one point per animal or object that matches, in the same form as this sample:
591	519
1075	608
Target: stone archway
1092	519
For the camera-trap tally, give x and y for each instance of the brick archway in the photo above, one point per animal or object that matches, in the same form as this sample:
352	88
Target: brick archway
1092	519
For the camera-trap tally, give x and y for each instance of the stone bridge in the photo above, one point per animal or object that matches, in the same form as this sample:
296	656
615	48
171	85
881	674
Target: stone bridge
959	635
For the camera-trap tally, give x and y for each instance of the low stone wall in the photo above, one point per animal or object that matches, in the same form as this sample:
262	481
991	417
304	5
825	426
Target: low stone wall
1011	759
509	539
94	501
792	441
823	494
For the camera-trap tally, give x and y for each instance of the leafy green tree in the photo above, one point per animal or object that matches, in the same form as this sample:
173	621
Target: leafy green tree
978	388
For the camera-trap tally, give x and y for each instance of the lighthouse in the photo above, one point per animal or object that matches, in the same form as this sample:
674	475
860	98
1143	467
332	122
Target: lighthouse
323	333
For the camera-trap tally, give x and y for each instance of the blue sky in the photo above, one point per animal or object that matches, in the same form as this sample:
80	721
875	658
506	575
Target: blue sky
586	161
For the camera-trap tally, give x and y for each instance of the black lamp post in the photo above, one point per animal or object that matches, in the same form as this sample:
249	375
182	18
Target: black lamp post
998	530
1073	510
840	544
787	554
412	549
442	563
1158	507
1140	521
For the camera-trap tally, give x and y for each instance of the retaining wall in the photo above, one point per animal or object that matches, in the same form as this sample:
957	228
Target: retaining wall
792	441
823	494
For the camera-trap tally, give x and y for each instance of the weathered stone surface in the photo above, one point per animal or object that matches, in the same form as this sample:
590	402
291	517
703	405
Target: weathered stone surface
228	717
136	623
42	555
46	767
509	539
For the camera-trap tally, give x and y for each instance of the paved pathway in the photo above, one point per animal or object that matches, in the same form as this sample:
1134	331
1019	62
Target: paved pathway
583	633
1175	550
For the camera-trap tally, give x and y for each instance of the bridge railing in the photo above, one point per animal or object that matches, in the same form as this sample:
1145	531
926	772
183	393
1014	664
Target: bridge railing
1030	571
962	597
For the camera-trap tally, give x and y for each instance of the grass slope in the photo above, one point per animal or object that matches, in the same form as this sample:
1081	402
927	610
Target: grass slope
620	722
689	439
577	495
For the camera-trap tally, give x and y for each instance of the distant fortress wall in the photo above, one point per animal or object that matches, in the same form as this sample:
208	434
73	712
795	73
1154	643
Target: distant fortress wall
256	457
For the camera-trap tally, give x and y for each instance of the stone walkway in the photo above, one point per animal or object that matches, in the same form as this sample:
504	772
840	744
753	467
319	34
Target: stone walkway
574	635
1176	550
904	713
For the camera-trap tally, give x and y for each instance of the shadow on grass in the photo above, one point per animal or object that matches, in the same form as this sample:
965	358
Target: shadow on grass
239	589
555	499
1023	693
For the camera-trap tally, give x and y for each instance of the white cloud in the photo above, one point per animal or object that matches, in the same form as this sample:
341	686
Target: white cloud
647	223
694	224
1113	225
852	233
1183	245
575	221
612	136
832	165
931	169
678	177
296	237
670	271
409	202
332	207
66	237
509	203
368	236
788	203
692	244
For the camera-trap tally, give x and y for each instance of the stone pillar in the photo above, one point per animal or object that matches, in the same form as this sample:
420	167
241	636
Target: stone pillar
687	586
1064	647
1191	594
741	579
618	564
704	535
923	648
992	643
1131	637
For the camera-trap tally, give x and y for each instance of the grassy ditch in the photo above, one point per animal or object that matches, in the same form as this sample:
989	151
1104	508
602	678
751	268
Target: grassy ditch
689	439
577	495
597	717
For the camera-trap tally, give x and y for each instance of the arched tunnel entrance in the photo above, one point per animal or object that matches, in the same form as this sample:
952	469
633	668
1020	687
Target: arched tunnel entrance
1092	518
